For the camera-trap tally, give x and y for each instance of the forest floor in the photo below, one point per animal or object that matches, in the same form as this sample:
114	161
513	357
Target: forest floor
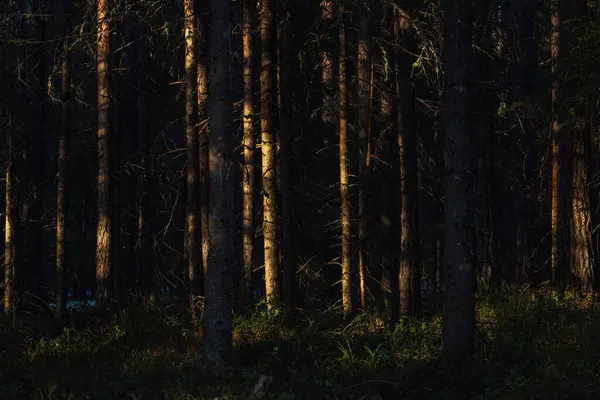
527	348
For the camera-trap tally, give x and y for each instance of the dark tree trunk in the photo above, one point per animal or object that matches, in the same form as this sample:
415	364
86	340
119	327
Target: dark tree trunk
459	294
221	260
61	177
192	159
410	272
288	70
364	115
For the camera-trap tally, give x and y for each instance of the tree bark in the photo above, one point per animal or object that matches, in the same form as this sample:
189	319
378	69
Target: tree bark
221	260
347	304
104	233
364	114
61	177
9	228
203	129
288	70
459	294
249	149
390	167
269	150
410	272
192	160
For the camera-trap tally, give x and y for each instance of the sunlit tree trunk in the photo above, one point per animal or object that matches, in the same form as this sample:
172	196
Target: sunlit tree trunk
364	114
347	305
583	274
459	285
410	273
192	160
61	177
222	183
571	215
269	150
249	148
104	239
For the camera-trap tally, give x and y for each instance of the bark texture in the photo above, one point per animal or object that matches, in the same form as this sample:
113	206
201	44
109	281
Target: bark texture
348	306
104	232
269	151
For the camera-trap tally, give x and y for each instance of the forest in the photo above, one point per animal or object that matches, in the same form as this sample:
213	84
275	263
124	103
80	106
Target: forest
290	199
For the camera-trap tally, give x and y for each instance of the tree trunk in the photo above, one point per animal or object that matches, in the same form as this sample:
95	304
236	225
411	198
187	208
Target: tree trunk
143	271
389	214
327	64
104	239
203	133
249	148
459	294
348	306
583	277
221	260
364	114
269	150
288	70
9	227
61	178
192	160
410	269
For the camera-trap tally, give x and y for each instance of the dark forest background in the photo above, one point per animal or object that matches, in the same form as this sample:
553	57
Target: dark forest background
386	197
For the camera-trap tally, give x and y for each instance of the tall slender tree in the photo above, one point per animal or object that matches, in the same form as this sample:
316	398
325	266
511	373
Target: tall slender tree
269	150
61	176
192	160
459	293
410	274
9	226
249	147
104	232
221	260
203	127
348	306
364	114
288	69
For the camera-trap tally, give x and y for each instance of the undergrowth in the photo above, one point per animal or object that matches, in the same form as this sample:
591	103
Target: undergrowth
528	347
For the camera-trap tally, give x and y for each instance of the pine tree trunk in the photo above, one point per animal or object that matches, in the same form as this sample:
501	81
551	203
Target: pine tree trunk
61	178
143	272
104	239
192	160
410	272
364	114
9	227
203	132
459	285
288	70
269	150
249	148
347	305
389	216
221	260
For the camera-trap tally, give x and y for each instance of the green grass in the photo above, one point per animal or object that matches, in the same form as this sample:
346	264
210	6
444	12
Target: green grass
527	348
